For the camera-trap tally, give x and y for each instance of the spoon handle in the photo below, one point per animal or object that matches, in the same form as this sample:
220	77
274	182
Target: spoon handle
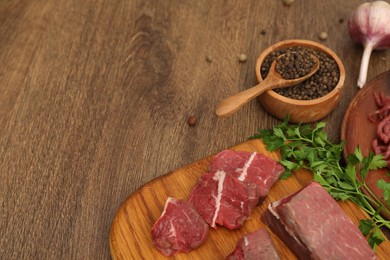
233	103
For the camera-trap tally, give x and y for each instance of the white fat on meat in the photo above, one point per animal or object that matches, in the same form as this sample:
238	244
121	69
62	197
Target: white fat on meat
248	163
271	207
172	230
169	200
246	243
220	177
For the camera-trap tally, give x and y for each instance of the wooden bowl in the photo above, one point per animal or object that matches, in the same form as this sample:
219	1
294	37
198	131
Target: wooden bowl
300	111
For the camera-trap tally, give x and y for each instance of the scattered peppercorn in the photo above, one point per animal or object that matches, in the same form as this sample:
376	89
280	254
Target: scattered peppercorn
288	2
318	85
191	121
263	32
209	59
323	36
242	58
341	20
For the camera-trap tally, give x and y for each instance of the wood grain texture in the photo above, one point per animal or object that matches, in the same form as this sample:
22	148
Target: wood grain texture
131	238
95	96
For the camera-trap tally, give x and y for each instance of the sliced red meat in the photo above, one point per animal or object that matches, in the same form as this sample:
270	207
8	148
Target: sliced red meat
179	228
222	199
312	224
248	167
383	130
381	145
278	228
254	246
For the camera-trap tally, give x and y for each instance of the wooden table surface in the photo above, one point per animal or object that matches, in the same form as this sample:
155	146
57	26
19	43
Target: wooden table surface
95	97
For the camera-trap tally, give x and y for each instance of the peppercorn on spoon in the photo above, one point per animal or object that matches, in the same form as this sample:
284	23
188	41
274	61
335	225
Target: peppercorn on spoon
274	80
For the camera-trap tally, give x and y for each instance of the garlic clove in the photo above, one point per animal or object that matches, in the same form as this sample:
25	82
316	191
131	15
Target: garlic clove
369	25
371	22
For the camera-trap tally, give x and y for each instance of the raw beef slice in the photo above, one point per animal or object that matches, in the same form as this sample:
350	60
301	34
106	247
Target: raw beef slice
255	245
179	228
248	167
313	225
222	199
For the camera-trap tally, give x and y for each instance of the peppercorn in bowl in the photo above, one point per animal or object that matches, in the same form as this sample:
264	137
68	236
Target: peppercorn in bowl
312	99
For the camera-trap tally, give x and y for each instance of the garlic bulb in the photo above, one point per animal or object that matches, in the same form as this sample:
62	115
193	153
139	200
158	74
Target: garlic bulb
369	25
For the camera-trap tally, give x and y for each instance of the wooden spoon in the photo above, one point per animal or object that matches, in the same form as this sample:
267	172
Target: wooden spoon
273	80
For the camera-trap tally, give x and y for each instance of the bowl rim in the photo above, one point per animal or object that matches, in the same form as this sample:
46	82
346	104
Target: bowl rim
305	43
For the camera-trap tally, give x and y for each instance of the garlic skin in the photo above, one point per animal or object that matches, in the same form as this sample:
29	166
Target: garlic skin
369	25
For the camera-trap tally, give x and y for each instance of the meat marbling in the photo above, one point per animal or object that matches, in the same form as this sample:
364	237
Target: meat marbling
222	199
179	228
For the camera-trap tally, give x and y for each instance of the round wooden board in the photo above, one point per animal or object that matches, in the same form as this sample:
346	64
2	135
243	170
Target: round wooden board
357	129
130	236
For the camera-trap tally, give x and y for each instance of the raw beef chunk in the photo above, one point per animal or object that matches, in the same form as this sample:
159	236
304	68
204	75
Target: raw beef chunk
222	199
248	167
314	226
253	246
179	228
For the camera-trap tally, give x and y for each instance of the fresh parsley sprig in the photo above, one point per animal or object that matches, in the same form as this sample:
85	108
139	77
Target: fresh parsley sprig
305	147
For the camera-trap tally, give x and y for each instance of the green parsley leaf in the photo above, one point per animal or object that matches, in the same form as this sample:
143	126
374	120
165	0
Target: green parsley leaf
375	238
273	142
358	154
350	172
279	133
285	174
377	162
346	186
318	178
318	140
289	165
365	226
386	190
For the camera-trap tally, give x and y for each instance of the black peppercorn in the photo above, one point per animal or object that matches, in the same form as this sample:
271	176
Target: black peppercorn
191	121
318	85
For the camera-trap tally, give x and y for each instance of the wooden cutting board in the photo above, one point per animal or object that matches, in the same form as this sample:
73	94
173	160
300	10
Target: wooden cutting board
130	236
